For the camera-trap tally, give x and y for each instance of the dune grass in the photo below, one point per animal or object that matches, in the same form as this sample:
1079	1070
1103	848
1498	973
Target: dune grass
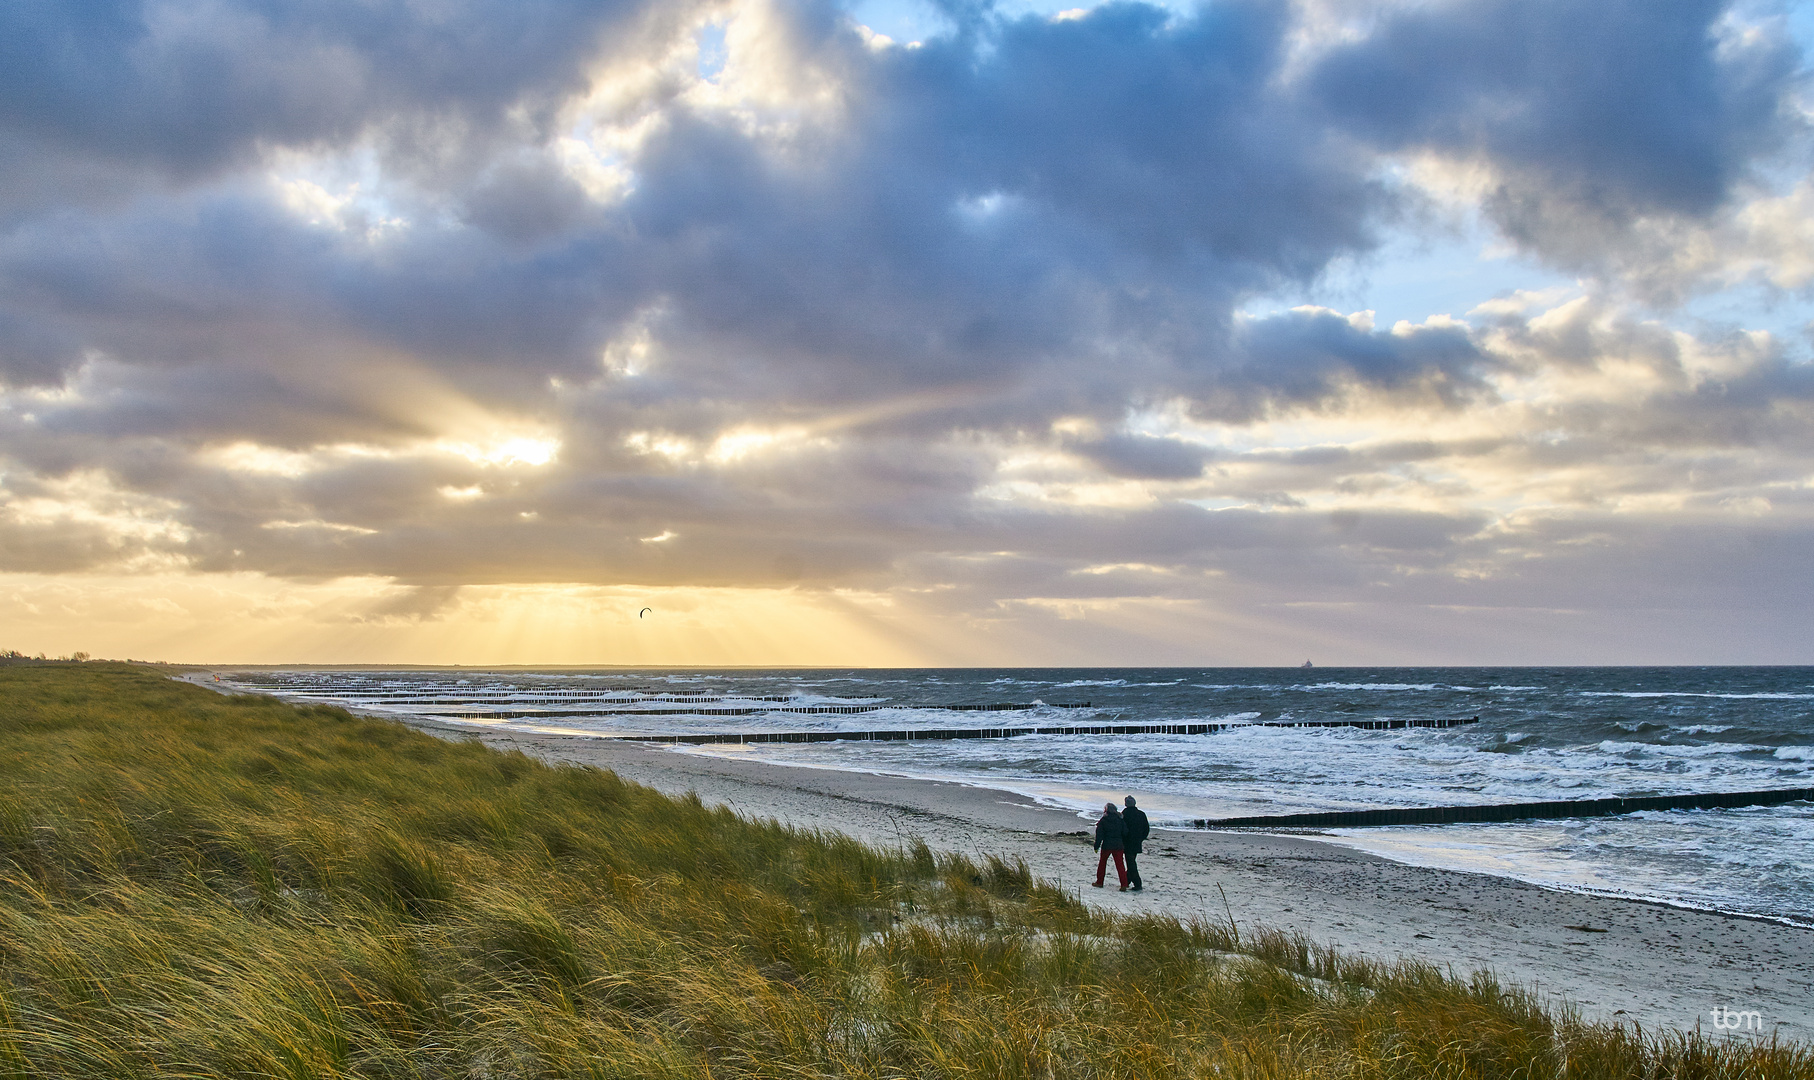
193	885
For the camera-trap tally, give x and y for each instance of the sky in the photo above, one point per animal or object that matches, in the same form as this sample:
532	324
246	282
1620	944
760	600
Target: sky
907	332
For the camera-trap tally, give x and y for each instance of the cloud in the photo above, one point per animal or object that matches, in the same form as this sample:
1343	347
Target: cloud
491	298
186	88
1143	456
413	605
1572	122
1312	356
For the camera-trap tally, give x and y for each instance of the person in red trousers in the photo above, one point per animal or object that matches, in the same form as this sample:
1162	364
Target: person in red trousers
1111	839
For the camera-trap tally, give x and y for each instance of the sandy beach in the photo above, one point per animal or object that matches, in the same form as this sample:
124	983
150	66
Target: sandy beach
1621	960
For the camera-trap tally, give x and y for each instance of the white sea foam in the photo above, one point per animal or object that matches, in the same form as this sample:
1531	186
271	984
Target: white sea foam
1667	751
1377	686
1106	682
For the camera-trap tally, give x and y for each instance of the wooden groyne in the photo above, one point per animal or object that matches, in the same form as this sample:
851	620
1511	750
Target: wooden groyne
602	699
934	734
753	710
1369	725
912	734
1467	815
611	697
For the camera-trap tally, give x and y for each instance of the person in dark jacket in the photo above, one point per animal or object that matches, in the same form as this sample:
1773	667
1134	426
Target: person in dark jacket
1135	830
1111	839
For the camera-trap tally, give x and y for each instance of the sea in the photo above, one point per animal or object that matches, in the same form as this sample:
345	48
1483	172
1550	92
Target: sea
1542	734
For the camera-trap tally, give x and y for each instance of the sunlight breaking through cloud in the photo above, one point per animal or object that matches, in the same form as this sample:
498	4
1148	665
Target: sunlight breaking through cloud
1058	326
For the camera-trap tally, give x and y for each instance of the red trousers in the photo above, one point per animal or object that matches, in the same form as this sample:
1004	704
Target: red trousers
1102	866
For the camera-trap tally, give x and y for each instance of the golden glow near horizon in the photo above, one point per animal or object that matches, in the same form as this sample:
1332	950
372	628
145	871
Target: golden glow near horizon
248	619
251	619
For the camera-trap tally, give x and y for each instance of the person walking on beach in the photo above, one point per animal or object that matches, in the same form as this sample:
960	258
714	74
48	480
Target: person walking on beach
1111	839
1135	830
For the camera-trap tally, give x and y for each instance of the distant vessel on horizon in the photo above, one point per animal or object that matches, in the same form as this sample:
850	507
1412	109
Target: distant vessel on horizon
1308	664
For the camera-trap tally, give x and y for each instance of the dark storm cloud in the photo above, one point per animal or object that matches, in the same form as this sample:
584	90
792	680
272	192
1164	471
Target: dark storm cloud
34	351
1308	356
1165	135
1082	192
187	87
418	604
1594	114
1143	456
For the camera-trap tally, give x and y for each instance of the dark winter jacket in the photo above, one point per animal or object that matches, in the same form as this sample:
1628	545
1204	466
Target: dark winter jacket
1133	821
1111	834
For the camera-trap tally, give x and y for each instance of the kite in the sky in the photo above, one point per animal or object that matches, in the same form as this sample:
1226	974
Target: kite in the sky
644	611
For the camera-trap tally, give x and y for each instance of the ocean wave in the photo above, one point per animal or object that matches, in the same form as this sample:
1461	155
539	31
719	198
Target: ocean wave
1698	750
1380	686
1111	682
1692	694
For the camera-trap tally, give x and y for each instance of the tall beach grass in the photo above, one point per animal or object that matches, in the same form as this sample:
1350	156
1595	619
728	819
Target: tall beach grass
194	885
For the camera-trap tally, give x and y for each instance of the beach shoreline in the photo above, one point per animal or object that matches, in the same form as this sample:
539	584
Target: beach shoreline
1649	964
1610	958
